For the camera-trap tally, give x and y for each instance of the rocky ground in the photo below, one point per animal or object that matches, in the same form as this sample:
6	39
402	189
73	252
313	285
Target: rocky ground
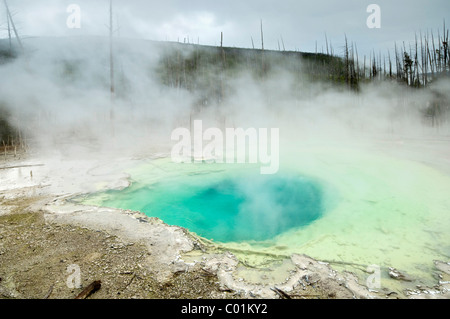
35	259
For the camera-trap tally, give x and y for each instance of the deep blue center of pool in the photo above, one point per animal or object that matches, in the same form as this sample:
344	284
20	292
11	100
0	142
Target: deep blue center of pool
239	208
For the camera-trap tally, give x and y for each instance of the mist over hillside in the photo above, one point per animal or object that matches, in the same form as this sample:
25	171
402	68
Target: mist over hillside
58	91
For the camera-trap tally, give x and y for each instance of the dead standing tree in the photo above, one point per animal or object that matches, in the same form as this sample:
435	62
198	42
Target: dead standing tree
111	55
263	67
111	67
11	23
9	30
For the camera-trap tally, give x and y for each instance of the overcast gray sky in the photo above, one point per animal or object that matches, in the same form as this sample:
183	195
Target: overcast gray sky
300	23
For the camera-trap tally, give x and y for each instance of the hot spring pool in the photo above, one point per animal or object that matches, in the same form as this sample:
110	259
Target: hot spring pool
227	207
346	206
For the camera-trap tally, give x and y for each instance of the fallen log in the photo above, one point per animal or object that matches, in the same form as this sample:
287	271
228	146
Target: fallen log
20	166
89	290
49	292
281	293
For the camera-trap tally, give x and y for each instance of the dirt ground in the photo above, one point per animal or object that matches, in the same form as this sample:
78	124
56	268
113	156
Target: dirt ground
35	257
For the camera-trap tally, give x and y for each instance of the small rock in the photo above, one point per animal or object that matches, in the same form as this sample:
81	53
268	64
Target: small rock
394	273
442	266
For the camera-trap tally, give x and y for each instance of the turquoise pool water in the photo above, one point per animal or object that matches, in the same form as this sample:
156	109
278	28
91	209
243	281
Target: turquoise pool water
224	207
